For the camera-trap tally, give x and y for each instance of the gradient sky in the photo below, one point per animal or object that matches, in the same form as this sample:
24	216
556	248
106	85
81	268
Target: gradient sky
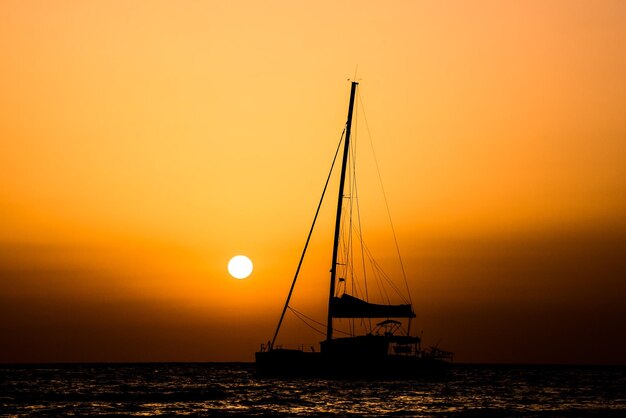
143	144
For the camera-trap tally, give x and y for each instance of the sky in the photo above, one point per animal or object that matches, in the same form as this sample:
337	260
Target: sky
143	144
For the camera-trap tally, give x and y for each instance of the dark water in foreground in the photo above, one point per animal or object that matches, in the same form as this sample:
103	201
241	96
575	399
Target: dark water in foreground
222	389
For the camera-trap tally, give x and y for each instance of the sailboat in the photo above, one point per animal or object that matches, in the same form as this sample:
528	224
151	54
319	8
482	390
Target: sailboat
384	350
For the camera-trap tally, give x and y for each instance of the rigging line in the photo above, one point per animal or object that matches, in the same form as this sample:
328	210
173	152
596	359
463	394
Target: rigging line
381	288
347	256
378	272
296	312
342	257
377	267
353	205
347	253
350	252
349	248
381	273
393	230
307	324
359	231
352	182
363	266
306	244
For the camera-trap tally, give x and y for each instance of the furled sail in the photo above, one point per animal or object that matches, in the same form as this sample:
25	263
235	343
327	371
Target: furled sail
348	306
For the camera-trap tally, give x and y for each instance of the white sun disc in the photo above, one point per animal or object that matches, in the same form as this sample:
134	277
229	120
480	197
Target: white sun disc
240	267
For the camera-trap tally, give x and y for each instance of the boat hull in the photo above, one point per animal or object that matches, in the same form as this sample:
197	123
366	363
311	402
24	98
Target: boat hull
297	363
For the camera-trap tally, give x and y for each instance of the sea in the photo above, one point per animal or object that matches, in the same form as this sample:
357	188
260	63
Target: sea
233	389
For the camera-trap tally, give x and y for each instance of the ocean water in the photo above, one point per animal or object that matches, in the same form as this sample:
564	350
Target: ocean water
226	389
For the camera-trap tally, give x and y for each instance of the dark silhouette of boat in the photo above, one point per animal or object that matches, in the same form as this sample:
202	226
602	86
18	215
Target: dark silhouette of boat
385	350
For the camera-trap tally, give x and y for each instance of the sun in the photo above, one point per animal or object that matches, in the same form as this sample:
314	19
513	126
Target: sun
240	267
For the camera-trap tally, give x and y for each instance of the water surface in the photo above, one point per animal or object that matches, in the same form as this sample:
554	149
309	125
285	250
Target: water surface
222	389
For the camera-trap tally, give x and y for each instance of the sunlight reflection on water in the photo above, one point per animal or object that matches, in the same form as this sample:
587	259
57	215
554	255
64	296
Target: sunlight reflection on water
233	389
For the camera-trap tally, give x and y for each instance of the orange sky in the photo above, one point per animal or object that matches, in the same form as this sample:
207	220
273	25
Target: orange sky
143	144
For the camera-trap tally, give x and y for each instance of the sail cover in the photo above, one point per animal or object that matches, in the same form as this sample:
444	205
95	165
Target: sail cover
350	307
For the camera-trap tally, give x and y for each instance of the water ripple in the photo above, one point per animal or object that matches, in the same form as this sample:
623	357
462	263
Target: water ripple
233	389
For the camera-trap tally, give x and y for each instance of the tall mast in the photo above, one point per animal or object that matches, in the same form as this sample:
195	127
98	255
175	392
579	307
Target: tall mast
333	269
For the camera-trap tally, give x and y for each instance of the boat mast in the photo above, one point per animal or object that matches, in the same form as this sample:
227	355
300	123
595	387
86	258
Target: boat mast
333	270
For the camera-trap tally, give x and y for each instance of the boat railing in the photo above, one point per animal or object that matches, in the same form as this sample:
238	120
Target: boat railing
268	347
